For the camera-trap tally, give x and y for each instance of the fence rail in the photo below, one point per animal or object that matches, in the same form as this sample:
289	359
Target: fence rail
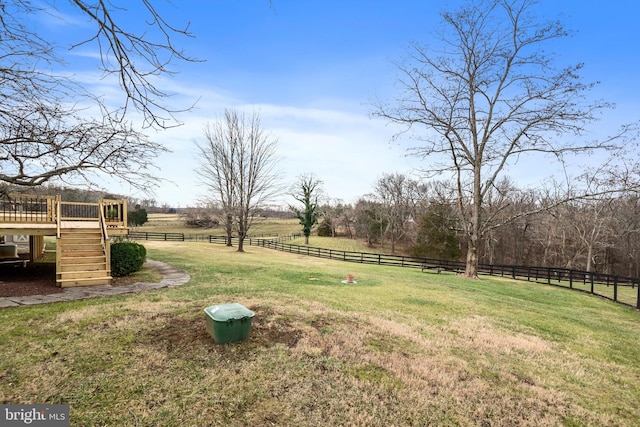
624	290
182	237
143	235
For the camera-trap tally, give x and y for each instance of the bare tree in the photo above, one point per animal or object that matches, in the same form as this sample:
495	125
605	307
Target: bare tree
51	127
627	216
134	51
217	154
238	163
369	219
488	95
340	216
393	191
40	143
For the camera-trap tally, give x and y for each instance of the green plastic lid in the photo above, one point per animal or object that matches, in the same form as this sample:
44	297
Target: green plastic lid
228	312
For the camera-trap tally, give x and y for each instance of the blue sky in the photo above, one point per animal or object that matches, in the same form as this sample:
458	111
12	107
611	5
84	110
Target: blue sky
313	68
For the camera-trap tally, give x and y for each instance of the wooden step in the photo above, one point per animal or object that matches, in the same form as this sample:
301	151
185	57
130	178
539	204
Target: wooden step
67	283
81	253
85	244
84	274
80	241
96	266
88	235
69	260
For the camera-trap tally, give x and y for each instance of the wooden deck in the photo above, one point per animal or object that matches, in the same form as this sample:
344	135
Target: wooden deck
82	230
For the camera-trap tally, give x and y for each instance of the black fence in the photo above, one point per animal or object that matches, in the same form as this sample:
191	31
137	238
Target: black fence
253	240
182	237
167	237
624	290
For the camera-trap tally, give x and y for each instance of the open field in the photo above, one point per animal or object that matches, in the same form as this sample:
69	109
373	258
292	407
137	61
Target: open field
400	347
173	223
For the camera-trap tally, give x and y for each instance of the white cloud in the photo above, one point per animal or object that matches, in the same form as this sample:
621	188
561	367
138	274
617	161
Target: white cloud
346	150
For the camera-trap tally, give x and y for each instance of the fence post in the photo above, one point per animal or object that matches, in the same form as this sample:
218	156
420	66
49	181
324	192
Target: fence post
615	288
571	279
638	298
592	290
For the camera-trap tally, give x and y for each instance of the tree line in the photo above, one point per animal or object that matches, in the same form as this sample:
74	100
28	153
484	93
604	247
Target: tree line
598	234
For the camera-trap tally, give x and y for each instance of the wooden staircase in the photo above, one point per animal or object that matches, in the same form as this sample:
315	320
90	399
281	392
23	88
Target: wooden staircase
82	258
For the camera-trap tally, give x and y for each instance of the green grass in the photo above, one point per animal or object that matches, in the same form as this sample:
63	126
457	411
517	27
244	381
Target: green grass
339	244
400	347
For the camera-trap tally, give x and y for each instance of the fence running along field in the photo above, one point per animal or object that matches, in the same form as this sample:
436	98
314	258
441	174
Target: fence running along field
181	237
624	290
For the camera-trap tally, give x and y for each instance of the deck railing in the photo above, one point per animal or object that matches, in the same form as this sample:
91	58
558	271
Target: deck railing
28	209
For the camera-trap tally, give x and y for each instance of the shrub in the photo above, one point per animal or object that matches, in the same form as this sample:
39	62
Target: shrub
127	258
324	229
137	217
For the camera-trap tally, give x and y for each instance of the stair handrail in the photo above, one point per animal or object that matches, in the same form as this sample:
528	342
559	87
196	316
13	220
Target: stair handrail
103	221
104	235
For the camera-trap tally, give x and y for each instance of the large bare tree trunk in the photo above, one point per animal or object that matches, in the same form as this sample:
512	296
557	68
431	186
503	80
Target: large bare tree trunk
229	229
471	269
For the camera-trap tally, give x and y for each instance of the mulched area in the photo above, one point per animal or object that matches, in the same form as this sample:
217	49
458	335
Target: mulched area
36	279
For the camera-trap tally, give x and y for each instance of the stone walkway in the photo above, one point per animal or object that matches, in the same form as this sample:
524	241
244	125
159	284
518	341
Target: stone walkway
171	277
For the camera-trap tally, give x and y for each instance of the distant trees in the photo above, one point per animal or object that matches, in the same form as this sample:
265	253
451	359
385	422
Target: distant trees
525	226
398	196
307	191
237	168
369	220
486	96
337	216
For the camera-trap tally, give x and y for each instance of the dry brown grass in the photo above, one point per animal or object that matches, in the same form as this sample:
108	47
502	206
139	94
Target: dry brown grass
305	364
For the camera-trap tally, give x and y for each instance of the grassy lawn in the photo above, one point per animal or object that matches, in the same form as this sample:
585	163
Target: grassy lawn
400	347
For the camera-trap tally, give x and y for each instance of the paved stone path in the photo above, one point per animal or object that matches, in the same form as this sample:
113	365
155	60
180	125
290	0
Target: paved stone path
171	277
